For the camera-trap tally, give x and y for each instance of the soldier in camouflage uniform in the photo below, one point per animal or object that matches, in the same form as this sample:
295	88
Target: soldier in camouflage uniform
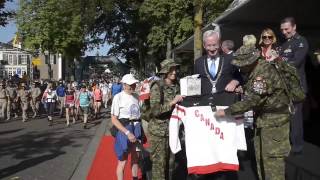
35	99
23	94
265	94
12	94
3	100
159	123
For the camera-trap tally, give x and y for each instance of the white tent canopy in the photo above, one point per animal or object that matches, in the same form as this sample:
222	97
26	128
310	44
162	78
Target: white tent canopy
252	16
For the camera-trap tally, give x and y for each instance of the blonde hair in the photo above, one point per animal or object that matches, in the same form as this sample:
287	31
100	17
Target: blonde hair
271	33
249	40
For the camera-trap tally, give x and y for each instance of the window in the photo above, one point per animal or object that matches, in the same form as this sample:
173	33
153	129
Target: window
52	59
5	57
24	59
15	59
10	59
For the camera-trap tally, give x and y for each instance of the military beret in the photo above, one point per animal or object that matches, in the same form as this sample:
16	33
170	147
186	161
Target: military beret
245	56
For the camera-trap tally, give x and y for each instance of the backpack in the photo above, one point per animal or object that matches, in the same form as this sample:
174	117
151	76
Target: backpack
145	107
84	99
291	81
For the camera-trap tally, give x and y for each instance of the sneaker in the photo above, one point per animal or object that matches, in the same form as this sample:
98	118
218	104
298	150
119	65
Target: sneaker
35	115
8	119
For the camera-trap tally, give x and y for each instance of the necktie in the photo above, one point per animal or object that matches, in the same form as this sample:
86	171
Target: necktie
212	69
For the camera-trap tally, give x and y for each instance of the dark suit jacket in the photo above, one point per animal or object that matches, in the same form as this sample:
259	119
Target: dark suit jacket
228	73
295	52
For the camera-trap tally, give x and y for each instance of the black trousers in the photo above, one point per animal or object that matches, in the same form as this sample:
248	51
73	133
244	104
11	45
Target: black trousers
296	129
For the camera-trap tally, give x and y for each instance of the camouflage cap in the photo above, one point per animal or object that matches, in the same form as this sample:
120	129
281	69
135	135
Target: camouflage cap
166	65
245	56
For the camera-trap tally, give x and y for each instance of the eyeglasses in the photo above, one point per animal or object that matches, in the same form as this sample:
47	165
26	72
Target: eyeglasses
267	37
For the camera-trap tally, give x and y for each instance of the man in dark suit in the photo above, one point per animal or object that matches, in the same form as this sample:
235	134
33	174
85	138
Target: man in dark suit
227	47
218	77
294	51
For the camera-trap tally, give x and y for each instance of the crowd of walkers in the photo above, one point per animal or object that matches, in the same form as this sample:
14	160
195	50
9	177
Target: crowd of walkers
44	98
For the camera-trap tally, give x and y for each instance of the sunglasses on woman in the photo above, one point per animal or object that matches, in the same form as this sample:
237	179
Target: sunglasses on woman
267	37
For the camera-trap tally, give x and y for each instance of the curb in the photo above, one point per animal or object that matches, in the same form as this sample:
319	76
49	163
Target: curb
82	169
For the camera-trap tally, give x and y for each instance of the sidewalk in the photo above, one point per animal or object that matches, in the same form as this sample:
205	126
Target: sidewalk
85	163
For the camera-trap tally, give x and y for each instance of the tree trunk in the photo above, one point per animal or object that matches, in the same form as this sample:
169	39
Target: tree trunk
197	46
169	48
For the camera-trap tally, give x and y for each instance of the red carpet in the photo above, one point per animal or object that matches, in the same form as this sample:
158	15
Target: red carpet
105	162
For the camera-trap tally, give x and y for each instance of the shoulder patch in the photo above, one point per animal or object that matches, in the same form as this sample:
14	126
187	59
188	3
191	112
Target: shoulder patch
259	85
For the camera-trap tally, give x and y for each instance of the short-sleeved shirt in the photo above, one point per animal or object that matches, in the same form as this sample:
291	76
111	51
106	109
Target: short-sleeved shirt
115	89
125	106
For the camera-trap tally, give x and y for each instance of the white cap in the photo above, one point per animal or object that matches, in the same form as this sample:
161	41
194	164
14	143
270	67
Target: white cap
129	79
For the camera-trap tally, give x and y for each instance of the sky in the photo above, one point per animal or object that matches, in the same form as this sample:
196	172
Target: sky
7	33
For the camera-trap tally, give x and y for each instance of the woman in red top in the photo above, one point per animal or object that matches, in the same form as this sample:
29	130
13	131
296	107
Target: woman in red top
70	104
97	96
267	43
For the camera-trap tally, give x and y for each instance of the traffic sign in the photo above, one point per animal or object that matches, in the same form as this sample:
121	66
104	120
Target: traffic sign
36	61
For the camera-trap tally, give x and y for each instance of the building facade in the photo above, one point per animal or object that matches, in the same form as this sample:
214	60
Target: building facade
14	61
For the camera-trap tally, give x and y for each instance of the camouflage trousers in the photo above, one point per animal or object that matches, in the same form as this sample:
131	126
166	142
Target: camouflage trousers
11	107
24	107
161	157
35	104
3	104
272	145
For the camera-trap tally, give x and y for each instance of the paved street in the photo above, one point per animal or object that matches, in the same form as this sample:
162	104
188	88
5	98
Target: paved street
35	151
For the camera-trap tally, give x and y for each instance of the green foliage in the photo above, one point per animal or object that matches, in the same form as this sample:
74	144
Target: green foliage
170	20
53	25
137	30
213	8
5	15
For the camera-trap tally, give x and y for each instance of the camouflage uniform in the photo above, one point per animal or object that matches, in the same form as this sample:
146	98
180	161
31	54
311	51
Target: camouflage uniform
3	100
24	96
265	94
158	127
12	94
35	101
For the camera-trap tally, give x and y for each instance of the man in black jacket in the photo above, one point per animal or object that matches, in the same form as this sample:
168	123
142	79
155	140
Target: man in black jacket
219	79
218	76
294	51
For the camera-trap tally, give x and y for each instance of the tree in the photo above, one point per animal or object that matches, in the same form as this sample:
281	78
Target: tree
5	15
198	23
205	12
53	25
171	23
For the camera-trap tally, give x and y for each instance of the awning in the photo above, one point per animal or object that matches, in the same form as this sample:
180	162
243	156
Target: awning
252	16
